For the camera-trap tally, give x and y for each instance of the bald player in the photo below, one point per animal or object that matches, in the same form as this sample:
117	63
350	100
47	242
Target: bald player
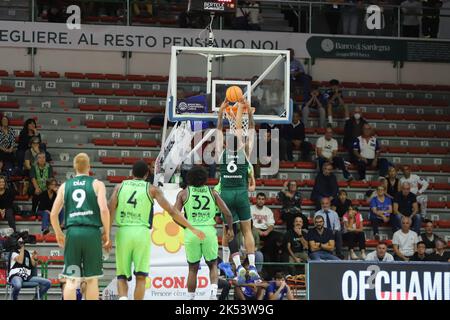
86	211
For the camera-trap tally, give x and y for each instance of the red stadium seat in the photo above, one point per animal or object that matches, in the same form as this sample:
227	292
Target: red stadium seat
277	217
89	107
5	88
4	73
307	202
138	125
123	92
143	93
81	91
129	109
152	109
305	165
438	150
9	105
393	116
417	150
287	165
385	133
425	134
116	179
440	186
109	108
95	76
147	143
95	124
274	182
370	85
342	184
111	160
389	86
350	85
24	74
436	205
396	149
362	100
429	168
125	142
445	224
309	183
103	142
371	243
358	184
382	101
129	160
136	77
113	76
74	75
404	133
407	86
375	184
374	115
117	125
103	92
49	74
157	78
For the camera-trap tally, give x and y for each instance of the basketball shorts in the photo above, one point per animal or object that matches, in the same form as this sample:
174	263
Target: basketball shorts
238	203
83	256
132	248
196	248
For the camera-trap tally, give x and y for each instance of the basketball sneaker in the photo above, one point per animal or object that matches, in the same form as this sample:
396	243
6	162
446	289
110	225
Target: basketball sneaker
254	276
226	268
241	272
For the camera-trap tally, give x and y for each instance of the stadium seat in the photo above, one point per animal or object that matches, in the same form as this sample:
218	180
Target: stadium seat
129	160
152	109
117	125
151	78
95	124
103	142
370	85
89	107
4	73
111	160
130	109
287	165
23	74
109	108
116	77
438	150
136	77
138	125
417	150
436	205
274	182
389	86
49	74
81	91
117	179
424	134
350	85
440	186
358	184
6	88
147	143
429	168
103	92
305	165
74	75
9	105
407	86
95	76
125	142
123	92
404	133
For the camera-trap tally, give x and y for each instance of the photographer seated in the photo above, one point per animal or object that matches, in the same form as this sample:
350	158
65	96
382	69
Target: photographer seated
22	265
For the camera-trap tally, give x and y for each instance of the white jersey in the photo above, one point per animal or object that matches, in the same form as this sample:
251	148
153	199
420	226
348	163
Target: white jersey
417	183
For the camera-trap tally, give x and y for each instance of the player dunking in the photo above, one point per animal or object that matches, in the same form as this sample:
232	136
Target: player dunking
199	203
133	201
86	211
234	178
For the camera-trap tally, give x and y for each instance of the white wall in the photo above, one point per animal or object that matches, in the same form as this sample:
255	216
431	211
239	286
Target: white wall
14	59
429	73
79	61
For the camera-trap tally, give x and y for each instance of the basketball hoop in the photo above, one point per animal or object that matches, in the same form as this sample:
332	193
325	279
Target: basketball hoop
230	114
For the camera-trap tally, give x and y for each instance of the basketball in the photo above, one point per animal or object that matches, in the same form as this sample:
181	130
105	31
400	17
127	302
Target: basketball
234	93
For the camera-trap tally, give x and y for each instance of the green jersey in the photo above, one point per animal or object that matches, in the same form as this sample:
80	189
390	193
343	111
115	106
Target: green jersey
134	204
80	202
234	170
200	206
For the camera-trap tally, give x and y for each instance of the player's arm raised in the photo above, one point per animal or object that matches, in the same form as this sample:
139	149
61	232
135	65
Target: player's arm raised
251	131
54	216
174	212
100	188
219	131
226	213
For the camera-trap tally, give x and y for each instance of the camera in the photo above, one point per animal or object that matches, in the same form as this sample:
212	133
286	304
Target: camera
17	240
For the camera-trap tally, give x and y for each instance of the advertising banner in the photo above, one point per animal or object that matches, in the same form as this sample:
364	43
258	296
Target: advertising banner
348	280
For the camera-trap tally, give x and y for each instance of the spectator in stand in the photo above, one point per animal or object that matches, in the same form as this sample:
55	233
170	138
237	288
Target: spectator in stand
392	183
332	222
380	254
28	132
321	241
411	11
418	187
143	8
325	185
405	204
353	129
341	204
296	244
248	16
326	151
293	136
151	172
31	154
440	255
420	254
263	220
430	17
45	204
40	172
317	102
366	151
298	76
354	233
335	99
404	241
350	17
291	204
6	203
275	252
333	15
7	143
428	237
278	289
380	210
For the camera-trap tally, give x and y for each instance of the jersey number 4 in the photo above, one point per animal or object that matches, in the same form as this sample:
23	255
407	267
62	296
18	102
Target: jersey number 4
132	200
199	204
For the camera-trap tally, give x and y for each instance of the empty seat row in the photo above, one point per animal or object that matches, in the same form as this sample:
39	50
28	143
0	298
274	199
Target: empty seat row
120	108
123	160
126	143
386	86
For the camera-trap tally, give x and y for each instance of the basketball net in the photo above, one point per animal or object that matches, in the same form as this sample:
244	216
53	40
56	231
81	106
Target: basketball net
231	117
